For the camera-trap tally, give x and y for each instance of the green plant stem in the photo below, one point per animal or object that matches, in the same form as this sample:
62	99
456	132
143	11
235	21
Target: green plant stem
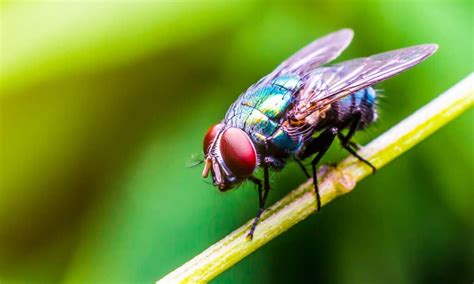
334	182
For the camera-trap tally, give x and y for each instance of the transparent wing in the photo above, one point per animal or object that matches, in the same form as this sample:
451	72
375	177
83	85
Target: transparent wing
317	53
328	84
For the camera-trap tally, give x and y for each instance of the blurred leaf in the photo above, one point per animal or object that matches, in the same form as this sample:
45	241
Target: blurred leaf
44	40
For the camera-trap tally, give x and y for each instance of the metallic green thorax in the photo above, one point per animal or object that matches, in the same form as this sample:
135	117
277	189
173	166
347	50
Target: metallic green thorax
259	112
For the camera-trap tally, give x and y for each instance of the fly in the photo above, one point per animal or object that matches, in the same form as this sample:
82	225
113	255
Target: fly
297	111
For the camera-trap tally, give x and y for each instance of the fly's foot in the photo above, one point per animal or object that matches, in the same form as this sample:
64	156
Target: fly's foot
249	237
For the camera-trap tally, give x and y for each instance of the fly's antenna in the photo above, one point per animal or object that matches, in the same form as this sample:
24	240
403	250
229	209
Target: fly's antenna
194	164
194	161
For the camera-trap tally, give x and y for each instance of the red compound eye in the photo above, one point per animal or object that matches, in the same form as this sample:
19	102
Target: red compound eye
238	152
210	136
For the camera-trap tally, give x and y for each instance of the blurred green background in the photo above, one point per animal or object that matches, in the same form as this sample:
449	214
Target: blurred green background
103	103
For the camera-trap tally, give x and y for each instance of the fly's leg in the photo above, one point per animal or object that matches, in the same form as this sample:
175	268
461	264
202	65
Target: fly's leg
346	140
354	153
318	145
327	137
350	146
302	166
262	197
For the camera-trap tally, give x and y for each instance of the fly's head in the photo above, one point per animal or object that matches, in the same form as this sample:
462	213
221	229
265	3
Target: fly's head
230	156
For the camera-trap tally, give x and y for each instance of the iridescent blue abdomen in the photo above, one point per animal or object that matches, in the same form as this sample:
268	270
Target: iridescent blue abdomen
342	112
362	102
